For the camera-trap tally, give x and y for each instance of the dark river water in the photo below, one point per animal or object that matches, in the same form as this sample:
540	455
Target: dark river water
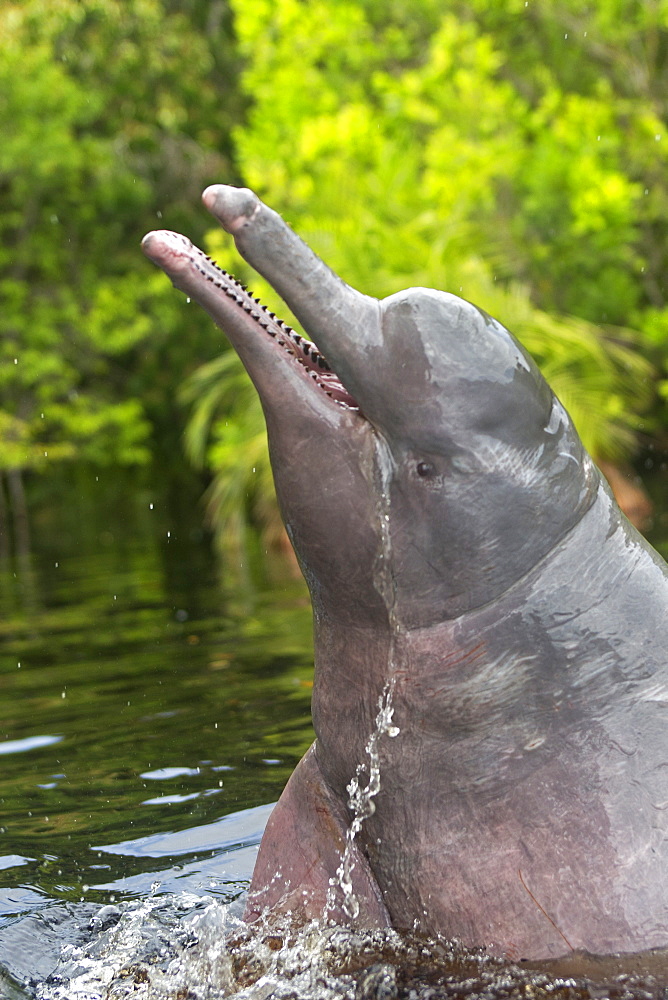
153	704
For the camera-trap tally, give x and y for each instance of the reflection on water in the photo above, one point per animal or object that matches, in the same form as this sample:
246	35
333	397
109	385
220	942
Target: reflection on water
139	698
148	716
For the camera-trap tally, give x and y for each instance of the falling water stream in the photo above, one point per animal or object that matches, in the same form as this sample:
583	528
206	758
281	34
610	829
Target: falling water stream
361	804
361	795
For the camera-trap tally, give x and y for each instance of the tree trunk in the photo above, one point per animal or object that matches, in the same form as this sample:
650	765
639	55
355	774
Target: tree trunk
5	547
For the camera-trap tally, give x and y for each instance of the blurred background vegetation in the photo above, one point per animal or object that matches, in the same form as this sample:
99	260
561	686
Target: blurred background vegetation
512	153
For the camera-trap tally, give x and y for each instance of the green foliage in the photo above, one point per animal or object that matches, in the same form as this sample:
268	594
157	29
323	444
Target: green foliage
589	213
494	150
511	122
107	117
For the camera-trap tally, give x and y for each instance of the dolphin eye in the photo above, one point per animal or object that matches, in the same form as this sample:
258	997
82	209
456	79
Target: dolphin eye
425	469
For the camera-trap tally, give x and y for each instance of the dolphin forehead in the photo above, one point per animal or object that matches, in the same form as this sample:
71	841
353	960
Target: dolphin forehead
458	371
457	339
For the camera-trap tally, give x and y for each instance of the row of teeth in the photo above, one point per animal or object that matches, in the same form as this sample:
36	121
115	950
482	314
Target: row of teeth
267	319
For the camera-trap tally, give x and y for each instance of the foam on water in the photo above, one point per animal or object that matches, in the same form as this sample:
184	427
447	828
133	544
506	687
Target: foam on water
185	947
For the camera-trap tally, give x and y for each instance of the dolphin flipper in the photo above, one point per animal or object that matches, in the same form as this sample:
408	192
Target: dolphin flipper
311	819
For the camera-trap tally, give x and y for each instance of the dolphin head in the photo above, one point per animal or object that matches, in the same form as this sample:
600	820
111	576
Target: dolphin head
485	472
421	462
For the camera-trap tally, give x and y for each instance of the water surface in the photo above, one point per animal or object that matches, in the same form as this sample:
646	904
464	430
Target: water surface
142	700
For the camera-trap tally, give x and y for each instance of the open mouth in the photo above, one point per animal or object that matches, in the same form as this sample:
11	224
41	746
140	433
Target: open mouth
304	352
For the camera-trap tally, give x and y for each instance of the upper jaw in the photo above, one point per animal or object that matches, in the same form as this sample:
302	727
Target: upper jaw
345	323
